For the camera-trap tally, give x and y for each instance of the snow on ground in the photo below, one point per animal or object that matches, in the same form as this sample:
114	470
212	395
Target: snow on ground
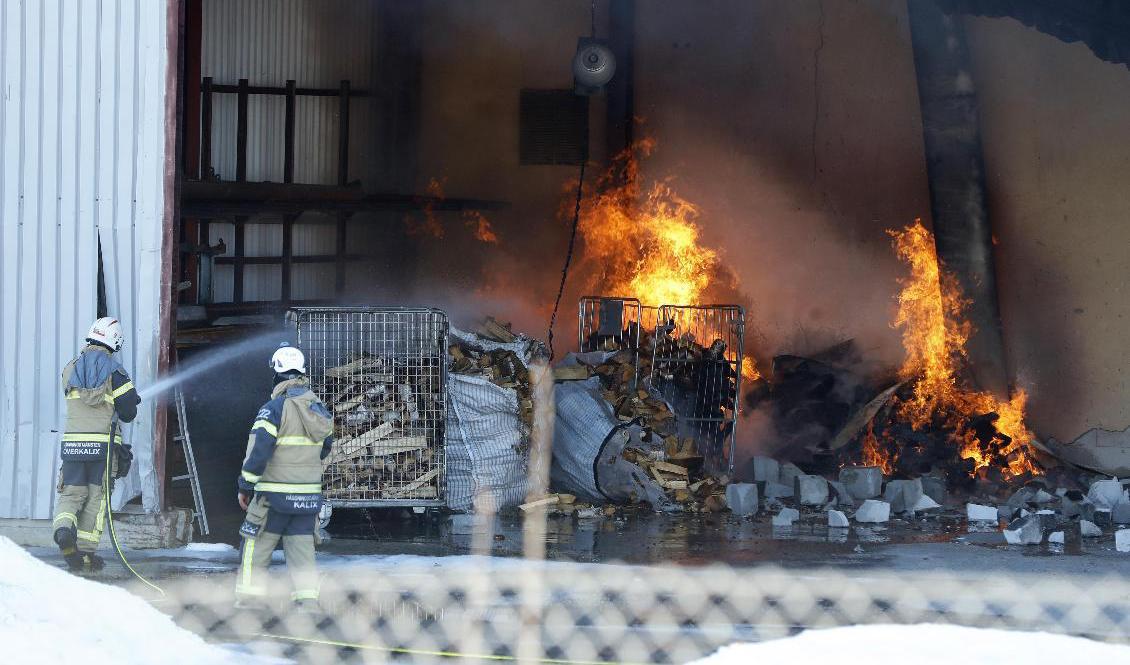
213	548
50	616
922	644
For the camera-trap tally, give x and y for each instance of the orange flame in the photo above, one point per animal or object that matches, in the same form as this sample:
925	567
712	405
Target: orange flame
749	369
645	243
873	453
934	333
480	226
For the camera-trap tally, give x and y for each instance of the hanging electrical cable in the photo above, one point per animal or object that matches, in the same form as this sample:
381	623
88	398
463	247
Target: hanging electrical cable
593	67
568	254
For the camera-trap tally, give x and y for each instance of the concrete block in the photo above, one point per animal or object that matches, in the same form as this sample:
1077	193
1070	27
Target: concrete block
935	488
1048	519
903	494
772	490
1043	497
810	490
1055	538
837	520
766	469
1122	540
1074	504
166	530
1120	514
789	472
786	517
842	495
873	511
742	498
1106	493
1089	529
1024	531
863	482
976	512
924	503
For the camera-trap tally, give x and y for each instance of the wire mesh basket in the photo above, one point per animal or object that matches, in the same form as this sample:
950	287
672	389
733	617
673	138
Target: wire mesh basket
696	366
382	372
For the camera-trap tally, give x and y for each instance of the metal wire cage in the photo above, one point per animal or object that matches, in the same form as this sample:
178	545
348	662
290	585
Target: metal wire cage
614	324
696	366
383	373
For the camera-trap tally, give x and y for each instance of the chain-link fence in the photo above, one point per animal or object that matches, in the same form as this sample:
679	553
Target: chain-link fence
536	611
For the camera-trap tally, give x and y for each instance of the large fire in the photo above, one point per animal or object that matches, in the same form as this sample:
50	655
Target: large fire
644	242
934	333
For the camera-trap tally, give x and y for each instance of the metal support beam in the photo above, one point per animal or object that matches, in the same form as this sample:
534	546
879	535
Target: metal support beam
343	134
288	133
620	116
956	171
206	128
241	133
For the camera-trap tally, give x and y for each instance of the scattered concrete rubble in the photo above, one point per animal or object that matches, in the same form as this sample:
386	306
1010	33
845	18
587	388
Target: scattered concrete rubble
862	482
810	490
1089	529
786	517
1025	531
1122	540
873	512
903	494
742	498
1106	494
975	512
1032	514
837	520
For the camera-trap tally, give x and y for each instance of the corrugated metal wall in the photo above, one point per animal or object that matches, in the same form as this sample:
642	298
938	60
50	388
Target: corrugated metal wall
317	43
82	134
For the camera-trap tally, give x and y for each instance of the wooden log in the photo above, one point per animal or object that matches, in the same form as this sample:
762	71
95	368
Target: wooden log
571	373
342	371
492	329
399	445
399	492
670	468
550	500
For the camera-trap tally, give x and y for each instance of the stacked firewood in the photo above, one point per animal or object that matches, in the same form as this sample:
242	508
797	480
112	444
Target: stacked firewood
386	429
503	367
679	471
674	462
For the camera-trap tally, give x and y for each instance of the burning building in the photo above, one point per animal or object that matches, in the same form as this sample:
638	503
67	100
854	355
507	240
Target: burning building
200	167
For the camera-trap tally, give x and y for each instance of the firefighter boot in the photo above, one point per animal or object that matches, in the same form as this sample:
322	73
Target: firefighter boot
65	537
92	563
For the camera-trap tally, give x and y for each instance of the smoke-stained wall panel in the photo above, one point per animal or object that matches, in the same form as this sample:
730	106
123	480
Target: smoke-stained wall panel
82	158
1057	148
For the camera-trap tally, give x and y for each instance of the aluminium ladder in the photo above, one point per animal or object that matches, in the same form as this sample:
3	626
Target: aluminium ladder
182	437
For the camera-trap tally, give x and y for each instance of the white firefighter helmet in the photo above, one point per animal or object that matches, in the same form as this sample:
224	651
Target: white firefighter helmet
107	331
288	359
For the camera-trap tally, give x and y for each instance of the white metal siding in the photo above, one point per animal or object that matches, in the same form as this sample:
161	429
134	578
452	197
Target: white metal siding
82	100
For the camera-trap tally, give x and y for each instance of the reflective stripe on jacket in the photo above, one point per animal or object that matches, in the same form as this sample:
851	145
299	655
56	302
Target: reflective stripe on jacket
95	387
290	437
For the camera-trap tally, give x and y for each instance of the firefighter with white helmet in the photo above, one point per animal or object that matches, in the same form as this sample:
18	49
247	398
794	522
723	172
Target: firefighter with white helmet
280	485
97	388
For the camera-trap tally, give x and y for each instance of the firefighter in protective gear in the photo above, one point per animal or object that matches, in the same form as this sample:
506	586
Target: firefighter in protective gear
280	486
96	388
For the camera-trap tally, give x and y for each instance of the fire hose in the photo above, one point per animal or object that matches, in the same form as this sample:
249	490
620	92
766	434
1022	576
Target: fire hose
107	492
